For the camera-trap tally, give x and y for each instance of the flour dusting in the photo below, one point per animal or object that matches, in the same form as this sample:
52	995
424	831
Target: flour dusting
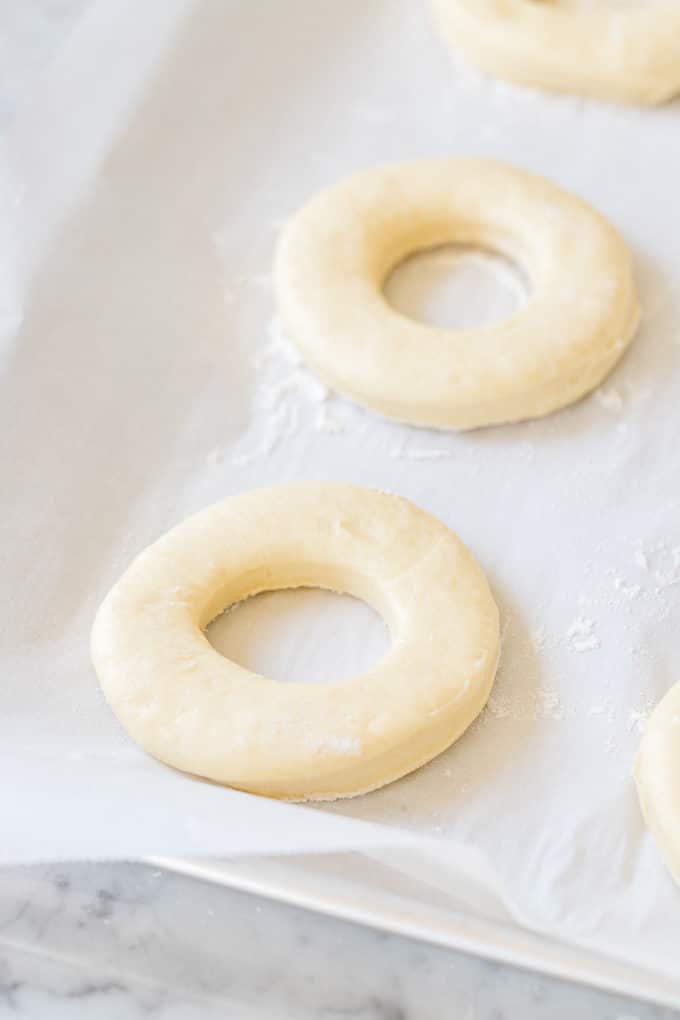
610	399
341	745
288	400
582	636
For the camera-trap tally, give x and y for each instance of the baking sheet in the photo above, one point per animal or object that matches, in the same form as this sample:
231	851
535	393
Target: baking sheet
143	376
375	891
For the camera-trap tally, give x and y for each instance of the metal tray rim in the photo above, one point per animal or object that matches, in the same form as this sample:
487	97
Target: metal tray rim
516	947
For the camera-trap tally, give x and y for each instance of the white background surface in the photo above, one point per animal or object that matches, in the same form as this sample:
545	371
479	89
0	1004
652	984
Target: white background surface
139	383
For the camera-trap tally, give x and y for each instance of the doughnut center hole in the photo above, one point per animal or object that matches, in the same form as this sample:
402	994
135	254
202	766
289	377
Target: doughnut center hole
457	286
307	635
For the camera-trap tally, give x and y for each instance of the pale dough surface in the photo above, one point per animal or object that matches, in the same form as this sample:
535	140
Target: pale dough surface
657	773
192	708
337	251
628	52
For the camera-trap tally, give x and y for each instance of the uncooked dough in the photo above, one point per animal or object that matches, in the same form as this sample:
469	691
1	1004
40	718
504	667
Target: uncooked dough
630	54
192	708
657	773
336	253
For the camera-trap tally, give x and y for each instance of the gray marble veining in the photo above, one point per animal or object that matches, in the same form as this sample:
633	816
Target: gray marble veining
126	940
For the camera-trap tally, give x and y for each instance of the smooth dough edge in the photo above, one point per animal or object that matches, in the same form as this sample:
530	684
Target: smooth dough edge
479	32
657	777
374	769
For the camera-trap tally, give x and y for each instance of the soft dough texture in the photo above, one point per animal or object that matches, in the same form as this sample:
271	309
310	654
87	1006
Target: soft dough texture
657	773
336	253
629	55
192	708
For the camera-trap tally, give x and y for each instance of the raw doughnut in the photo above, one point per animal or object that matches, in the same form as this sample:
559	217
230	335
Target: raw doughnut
630	54
657	773
336	253
196	710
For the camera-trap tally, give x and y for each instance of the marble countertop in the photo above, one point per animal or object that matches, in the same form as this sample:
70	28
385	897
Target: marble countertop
127	940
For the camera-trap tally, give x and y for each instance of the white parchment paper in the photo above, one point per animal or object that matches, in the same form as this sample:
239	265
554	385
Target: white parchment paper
142	377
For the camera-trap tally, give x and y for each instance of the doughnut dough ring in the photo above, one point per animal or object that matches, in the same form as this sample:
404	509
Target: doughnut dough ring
630	55
193	709
657	774
335	254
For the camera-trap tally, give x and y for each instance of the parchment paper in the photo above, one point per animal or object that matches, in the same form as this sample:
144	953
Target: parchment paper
143	377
